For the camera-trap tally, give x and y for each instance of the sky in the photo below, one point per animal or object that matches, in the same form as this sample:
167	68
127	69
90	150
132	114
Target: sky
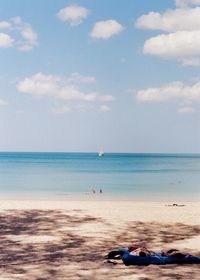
79	75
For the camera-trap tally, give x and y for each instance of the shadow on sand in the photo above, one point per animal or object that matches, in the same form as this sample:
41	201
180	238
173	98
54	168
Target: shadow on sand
38	245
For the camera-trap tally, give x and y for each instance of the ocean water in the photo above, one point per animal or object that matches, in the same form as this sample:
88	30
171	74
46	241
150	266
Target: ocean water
120	176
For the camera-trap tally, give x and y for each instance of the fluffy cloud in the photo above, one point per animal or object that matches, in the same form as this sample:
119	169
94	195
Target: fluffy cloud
74	14
171	20
106	29
19	34
173	91
183	39
28	35
42	85
5	41
5	24
181	44
59	88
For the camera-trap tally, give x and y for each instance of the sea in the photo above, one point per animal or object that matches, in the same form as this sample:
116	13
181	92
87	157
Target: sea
129	176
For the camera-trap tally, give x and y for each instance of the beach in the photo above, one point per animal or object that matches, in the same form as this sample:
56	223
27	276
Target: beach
100	140
49	239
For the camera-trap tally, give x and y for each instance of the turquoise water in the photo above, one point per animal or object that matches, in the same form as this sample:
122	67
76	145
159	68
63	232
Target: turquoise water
133	176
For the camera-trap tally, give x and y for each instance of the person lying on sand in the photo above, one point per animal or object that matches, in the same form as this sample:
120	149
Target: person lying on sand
135	255
143	251
140	251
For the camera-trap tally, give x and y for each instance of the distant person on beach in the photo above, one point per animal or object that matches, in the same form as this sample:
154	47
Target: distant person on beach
100	191
93	191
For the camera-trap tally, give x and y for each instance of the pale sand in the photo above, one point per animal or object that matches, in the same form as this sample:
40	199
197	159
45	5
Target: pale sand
69	239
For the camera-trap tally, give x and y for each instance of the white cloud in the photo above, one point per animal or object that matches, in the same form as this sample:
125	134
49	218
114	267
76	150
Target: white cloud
28	35
5	41
18	34
3	102
5	24
181	44
182	3
171	20
186	110
195	2
172	91
73	14
106	29
41	85
183	27
104	108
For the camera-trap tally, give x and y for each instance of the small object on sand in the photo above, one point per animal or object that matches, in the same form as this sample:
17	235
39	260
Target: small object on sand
175	205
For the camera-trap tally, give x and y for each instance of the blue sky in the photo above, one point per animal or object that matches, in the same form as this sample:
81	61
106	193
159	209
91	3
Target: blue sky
78	75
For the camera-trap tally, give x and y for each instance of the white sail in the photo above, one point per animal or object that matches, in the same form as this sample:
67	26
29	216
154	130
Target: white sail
101	153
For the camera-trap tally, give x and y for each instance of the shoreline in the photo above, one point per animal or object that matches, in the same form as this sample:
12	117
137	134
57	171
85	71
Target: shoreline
98	197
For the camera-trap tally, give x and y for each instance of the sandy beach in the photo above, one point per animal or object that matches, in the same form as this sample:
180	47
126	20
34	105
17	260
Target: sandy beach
69	239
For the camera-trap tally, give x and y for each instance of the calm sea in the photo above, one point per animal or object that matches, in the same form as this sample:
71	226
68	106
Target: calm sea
132	176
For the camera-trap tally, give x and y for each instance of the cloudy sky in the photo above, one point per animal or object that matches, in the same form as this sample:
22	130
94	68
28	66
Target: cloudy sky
79	75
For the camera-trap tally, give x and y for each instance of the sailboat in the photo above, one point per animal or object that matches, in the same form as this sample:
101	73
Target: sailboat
101	153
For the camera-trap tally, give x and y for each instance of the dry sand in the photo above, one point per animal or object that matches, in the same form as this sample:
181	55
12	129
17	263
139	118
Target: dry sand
69	239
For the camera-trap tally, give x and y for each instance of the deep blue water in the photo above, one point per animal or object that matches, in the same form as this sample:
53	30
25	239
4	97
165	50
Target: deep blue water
120	175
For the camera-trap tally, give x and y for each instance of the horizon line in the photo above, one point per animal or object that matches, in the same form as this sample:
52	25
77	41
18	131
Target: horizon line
113	152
